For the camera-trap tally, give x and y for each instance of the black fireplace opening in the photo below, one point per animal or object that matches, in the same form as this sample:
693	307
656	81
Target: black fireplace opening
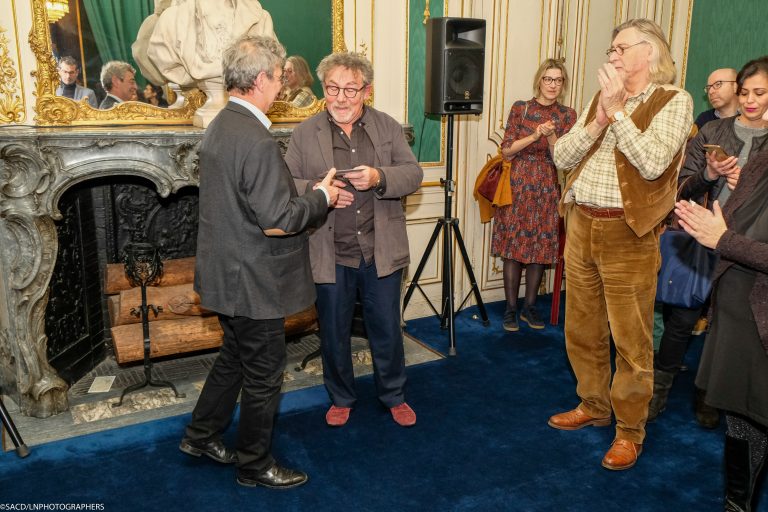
99	217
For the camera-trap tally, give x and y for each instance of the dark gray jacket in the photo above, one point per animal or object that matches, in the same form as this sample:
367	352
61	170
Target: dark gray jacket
721	132
246	188
310	154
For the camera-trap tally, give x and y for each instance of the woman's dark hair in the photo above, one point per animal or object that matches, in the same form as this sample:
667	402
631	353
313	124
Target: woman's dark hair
158	90
752	68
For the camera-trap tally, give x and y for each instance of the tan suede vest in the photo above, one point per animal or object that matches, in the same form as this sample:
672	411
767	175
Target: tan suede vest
646	203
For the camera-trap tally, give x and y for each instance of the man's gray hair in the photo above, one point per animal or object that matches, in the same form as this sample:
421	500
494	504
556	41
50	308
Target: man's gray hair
247	57
114	69
662	67
69	61
355	62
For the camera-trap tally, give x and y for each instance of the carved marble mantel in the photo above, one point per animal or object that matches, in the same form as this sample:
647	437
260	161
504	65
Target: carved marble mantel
36	166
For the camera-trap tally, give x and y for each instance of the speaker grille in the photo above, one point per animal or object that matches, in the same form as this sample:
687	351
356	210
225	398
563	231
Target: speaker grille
464	74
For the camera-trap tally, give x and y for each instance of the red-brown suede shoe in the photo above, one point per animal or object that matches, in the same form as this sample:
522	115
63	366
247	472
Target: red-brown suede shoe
622	455
403	415
337	416
576	419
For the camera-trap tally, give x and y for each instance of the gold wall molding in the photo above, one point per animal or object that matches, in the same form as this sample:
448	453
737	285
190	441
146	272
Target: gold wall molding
11	102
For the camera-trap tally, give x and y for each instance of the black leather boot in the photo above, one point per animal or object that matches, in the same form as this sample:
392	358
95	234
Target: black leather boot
662	383
739	481
706	415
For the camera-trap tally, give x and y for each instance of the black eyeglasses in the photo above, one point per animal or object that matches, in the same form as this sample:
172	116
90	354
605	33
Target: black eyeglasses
717	85
548	80
621	49
349	92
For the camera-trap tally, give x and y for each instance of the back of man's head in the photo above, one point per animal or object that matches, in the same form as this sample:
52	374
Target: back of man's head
248	56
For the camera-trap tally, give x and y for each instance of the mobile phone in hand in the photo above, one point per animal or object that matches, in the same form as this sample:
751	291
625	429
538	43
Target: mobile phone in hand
719	152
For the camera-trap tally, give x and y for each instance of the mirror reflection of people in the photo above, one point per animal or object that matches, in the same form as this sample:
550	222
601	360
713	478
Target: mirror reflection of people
119	80
153	94
252	265
363	248
69	71
297	90
525	233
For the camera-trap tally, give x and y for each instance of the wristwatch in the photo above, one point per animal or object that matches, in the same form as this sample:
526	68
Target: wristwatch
618	116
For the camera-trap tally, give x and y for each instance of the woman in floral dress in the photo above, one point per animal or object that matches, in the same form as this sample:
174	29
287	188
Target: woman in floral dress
525	233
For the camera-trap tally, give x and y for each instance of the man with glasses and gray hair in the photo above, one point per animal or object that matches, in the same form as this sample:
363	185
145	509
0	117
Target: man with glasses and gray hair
623	156
252	264
361	249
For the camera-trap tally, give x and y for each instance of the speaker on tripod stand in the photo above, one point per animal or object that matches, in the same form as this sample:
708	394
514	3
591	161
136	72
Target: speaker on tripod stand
454	85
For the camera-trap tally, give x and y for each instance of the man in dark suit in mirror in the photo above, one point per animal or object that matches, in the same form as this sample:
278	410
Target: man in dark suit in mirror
69	71
119	80
252	265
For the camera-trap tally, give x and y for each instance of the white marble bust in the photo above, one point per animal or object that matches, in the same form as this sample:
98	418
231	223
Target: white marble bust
183	40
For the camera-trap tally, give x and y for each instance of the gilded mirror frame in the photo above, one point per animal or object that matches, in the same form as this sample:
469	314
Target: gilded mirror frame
52	110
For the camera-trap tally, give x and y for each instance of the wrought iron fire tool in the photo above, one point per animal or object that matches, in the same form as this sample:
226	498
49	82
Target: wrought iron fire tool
142	267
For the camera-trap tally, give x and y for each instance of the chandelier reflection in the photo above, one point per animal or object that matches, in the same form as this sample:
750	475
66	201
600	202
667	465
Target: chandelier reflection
56	9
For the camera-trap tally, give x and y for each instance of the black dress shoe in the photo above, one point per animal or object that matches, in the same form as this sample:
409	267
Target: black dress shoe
276	477
213	448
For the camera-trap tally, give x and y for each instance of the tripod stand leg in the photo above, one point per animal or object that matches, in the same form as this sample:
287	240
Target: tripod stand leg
13	433
422	263
470	273
448	306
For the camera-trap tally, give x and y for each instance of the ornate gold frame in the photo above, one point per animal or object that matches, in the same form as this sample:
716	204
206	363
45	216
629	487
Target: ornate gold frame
52	110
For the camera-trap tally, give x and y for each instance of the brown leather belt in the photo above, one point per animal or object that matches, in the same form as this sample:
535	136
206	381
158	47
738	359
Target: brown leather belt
601	213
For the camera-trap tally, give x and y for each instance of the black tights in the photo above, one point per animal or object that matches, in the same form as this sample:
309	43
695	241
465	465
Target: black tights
513	270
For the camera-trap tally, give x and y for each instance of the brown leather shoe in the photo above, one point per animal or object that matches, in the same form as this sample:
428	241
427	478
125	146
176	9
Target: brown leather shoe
622	455
576	419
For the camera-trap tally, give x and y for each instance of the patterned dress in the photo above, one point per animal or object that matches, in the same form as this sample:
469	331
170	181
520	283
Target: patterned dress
526	231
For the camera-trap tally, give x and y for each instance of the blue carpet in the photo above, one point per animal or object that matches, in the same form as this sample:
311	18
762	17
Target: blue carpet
481	444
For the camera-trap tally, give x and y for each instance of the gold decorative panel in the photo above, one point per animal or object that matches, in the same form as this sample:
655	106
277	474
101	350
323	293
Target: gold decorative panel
11	100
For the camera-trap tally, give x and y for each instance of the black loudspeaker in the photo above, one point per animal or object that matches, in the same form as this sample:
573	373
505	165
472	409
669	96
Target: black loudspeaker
455	62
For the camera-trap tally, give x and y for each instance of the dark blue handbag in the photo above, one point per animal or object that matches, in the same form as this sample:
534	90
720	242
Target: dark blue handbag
685	278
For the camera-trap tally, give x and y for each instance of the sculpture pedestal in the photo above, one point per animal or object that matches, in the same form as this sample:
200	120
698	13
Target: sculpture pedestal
217	100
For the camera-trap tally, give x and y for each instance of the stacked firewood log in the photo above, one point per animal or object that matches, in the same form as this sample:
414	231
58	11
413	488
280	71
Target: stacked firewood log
182	326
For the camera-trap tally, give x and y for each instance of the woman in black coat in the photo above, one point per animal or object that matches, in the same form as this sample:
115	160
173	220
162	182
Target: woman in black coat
734	364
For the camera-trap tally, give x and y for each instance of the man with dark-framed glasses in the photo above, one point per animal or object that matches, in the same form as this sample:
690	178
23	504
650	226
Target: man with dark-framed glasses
361	249
721	92
622	156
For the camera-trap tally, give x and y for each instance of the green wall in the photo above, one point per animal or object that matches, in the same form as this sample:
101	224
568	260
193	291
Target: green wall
724	34
426	146
304	28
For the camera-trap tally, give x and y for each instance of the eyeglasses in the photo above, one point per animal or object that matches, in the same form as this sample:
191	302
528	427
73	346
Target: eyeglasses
717	85
349	92
548	80
621	49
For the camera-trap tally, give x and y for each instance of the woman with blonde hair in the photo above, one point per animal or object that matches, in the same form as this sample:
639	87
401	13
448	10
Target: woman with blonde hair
525	233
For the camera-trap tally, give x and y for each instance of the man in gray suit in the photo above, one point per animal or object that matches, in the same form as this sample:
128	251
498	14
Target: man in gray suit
361	250
252	265
69	88
119	80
